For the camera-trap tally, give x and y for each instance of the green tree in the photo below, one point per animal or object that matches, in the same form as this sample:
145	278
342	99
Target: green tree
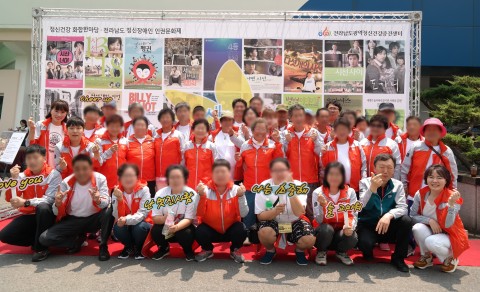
457	105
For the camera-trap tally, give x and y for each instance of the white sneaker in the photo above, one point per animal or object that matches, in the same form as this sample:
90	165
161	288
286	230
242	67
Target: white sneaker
321	258
344	258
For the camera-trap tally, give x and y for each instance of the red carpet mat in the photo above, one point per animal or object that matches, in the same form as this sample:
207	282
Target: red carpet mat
471	257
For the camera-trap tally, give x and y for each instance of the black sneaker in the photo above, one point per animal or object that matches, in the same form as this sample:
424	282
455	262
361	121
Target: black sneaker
77	244
104	254
161	253
139	255
400	265
40	255
190	257
125	253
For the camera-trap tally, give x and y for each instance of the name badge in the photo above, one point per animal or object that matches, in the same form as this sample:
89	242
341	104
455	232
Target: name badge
285	228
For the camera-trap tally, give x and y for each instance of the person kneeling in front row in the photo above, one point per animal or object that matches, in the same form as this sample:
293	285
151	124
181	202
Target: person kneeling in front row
334	231
438	229
133	219
34	203
173	214
384	215
81	206
287	213
222	205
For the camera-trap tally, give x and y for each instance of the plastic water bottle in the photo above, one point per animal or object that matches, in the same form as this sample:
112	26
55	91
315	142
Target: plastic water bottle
268	204
170	221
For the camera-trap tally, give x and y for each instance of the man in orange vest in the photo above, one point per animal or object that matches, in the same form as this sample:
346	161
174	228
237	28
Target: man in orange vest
81	206
387	110
34	203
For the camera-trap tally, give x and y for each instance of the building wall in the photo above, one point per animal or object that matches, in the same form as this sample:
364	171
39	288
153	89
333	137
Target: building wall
9	80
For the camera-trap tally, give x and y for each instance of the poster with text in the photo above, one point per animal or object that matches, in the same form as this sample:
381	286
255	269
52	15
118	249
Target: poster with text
303	66
262	64
183	63
348	102
104	62
143	63
152	102
99	97
64	62
307	100
372	102
71	96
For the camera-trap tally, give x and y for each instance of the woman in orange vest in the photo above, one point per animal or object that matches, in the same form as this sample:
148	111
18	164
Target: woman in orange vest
141	151
255	155
51	131
221	207
168	146
133	219
333	229
348	152
199	154
438	229
426	153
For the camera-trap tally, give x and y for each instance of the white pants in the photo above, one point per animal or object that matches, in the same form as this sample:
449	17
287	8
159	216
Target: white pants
438	244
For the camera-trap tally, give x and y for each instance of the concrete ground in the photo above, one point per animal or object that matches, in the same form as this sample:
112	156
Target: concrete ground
76	273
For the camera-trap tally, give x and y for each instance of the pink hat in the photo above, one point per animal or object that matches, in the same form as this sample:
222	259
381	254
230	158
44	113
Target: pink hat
435	122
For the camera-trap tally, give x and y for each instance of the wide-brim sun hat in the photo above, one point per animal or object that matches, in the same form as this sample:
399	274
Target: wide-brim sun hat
433	122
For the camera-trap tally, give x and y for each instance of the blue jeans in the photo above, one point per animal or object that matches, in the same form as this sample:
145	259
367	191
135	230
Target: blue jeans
251	218
132	236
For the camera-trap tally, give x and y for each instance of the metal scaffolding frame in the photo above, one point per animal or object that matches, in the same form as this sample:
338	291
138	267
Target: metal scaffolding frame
413	17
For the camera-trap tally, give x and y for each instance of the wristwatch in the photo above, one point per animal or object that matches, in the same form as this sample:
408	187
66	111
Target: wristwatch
27	203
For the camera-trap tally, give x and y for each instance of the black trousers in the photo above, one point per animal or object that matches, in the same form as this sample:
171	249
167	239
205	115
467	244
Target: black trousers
184	237
398	233
206	235
67	232
26	229
331	239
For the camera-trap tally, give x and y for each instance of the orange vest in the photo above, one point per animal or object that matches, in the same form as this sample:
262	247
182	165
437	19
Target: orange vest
62	210
68	155
44	138
94	134
123	209
256	162
221	213
338	220
110	166
167	152
143	155
456	232
199	161
32	191
372	150
419	162
302	156
395	129
355	157
402	144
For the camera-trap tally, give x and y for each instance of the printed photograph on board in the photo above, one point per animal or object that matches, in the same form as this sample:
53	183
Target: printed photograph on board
303	66
343	72
372	102
64	62
262	64
308	101
143	63
71	96
385	72
183	63
104	62
348	102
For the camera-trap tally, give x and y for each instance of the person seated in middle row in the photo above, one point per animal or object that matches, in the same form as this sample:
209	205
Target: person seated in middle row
384	215
173	215
81	206
334	231
133	219
275	211
222	205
